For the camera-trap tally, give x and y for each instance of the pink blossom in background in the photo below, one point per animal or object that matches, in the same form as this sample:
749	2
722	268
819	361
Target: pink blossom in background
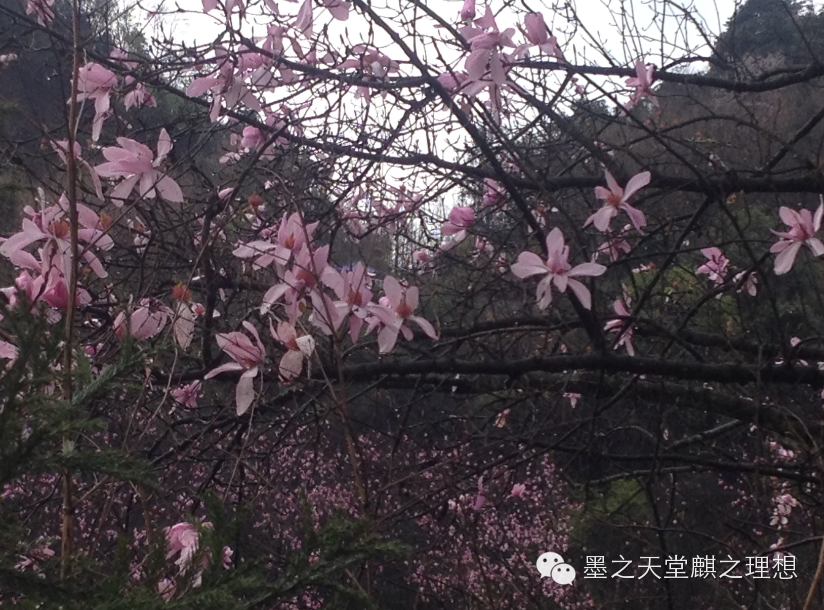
615	244
468	10
716	266
485	50
538	35
642	81
460	219
750	283
138	96
187	395
804	227
558	271
146	320
518	490
622	327
94	82
615	199
42	8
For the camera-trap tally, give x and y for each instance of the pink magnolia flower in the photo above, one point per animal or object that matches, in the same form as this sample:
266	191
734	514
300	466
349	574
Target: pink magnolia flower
42	8
538	35
338	8
50	224
94	82
247	357
278	248
460	219
518	490
145	321
352	288
134	162
621	326
494	193
308	270
304	20
298	349
803	228
183	539
642	81
138	96
716	266
750	283
616	199
615	244
225	85
558	271
485	50
187	395
397	308
468	10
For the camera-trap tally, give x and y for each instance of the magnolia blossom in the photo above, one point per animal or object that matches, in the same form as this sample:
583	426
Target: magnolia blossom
394	311
247	357
42	8
278	247
615	244
468	10
134	162
494	194
538	35
616	199
460	219
94	82
803	229
621	326
138	96
145	321
183	540
750	282
642	81
518	490
716	266
352	289
558	271
187	395
485	47
298	349
51	224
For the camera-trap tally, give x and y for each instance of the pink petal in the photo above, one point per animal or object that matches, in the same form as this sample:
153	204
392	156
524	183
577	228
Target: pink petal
425	326
636	216
528	264
785	260
387	338
393	290
245	391
582	292
635	183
